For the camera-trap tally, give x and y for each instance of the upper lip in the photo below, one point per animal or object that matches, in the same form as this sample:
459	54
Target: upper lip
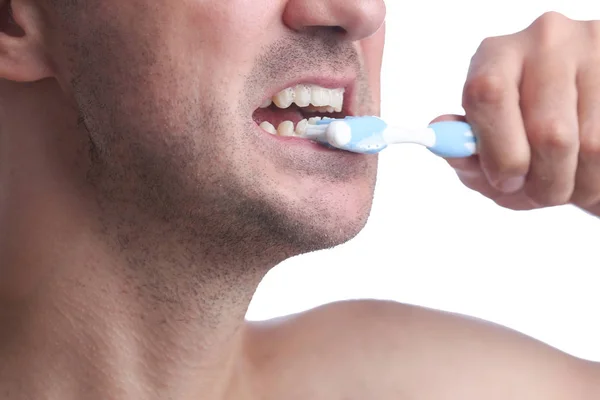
346	82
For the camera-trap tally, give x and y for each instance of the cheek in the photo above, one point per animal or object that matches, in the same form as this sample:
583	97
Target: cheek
228	32
372	50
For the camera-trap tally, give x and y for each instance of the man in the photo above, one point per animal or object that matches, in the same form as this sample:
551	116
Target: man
141	203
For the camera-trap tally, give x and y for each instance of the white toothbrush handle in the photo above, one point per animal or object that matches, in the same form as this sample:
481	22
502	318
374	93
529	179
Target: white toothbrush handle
396	135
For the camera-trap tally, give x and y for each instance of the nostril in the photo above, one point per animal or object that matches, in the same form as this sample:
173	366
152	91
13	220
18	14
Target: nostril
351	20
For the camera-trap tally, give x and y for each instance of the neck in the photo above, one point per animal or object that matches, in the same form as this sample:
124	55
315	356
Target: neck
91	311
173	327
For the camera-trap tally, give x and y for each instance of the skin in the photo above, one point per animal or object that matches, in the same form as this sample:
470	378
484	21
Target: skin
140	207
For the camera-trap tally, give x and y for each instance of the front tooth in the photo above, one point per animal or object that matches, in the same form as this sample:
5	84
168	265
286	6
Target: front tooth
311	109
285	98
267	126
320	96
330	109
267	103
337	99
302	95
314	120
301	127
286	128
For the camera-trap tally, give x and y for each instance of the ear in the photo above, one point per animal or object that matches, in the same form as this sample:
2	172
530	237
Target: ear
22	55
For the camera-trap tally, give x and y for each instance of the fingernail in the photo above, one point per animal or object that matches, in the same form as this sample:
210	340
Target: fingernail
512	185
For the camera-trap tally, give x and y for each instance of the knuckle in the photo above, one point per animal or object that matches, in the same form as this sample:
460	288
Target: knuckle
551	19
593	28
484	88
550	29
491	43
552	134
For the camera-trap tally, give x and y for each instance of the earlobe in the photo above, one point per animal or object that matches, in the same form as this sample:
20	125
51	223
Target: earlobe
22	56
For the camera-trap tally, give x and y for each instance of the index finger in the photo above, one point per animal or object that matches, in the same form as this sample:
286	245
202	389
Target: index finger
491	99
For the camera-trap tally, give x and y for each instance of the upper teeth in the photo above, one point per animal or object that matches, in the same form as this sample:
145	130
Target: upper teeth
306	95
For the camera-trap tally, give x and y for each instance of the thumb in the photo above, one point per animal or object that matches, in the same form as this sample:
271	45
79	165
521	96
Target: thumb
449	117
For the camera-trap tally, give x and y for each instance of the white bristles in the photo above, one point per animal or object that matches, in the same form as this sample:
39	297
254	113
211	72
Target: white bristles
316	132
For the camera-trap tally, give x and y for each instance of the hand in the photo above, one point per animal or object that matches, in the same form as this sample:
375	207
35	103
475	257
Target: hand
533	100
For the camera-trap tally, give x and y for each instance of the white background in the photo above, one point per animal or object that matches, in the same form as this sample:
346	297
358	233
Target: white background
434	243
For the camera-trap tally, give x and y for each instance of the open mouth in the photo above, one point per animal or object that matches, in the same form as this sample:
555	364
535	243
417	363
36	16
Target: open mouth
290	111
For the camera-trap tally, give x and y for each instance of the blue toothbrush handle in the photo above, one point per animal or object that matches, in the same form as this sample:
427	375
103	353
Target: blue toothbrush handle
454	139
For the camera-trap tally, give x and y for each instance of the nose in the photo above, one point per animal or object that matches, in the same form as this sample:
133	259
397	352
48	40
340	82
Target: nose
355	19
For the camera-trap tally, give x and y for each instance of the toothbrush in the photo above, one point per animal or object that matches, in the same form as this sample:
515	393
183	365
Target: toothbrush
370	135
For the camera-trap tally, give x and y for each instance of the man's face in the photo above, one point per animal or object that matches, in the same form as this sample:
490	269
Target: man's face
170	93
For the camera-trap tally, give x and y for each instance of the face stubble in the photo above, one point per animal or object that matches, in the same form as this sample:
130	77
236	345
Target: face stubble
171	158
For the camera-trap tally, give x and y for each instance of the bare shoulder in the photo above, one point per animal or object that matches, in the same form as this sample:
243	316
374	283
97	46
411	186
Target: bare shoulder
384	349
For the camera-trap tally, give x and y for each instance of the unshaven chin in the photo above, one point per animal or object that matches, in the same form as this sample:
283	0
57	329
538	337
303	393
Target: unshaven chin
209	181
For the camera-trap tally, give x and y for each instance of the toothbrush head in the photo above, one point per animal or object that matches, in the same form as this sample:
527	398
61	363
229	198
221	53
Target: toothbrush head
356	134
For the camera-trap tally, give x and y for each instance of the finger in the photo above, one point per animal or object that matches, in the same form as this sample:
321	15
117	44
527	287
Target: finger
459	164
491	102
549	107
472	176
477	181
587	182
